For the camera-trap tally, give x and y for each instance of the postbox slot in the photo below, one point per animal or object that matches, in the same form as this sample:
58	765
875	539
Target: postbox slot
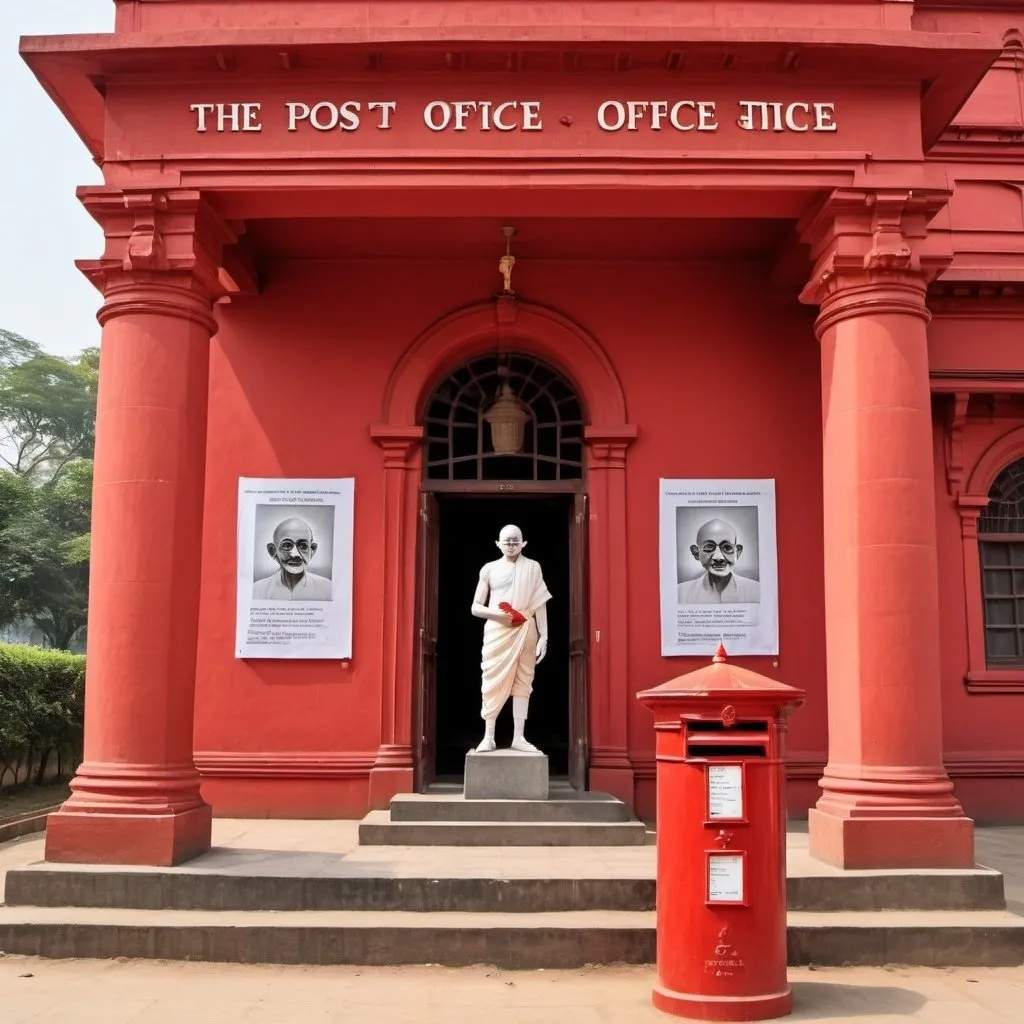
726	750
760	738
713	725
711	738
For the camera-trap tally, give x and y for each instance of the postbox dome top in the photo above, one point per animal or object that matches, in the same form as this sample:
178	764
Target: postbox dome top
722	678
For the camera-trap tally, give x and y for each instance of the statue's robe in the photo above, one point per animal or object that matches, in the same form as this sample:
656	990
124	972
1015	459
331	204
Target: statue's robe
509	657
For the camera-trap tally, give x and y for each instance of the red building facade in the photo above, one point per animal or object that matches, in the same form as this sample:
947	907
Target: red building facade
775	240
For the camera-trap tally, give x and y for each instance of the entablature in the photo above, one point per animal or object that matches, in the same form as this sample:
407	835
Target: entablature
922	78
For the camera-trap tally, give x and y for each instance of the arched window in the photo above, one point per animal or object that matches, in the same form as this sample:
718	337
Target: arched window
1001	543
504	418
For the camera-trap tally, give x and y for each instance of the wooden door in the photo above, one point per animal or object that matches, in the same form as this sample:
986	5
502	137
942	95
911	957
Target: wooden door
426	646
579	749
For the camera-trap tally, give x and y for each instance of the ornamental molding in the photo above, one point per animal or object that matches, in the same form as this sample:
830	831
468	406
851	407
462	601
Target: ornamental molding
158	236
873	253
314	764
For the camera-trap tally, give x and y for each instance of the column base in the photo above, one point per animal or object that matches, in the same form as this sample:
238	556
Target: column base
895	842
155	840
703	1007
386	783
617	781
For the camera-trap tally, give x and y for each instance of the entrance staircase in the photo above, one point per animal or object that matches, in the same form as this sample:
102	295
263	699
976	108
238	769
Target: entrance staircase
444	818
518	889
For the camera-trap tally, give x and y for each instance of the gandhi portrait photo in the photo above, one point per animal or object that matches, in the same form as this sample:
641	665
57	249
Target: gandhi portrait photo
717	555
294	546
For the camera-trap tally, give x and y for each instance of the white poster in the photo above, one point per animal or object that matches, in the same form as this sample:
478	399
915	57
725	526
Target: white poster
294	568
719	570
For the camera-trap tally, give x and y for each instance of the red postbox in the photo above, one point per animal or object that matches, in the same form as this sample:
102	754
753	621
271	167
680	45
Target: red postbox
720	734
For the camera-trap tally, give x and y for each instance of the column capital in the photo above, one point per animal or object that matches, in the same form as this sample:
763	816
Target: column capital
399	443
873	253
163	250
608	444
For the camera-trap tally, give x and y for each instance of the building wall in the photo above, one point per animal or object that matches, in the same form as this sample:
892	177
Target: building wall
982	730
720	380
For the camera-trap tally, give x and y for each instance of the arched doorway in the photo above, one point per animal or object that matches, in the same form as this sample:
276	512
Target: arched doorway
503	443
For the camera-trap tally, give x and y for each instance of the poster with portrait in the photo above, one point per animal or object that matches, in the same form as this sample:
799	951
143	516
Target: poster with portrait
294	587
719	569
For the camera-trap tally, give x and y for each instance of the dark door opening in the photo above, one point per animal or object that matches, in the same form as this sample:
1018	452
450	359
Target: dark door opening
468	527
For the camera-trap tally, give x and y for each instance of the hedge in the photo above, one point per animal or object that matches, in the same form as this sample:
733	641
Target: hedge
41	705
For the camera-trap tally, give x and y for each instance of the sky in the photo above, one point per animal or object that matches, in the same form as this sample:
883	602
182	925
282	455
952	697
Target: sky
43	227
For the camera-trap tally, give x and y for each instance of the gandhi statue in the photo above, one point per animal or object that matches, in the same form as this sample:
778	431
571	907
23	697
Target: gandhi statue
512	597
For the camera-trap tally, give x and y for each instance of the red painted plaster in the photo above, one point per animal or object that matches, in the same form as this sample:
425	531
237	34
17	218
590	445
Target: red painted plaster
659	270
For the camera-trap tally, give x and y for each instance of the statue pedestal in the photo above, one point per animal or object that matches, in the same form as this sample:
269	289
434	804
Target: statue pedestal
506	775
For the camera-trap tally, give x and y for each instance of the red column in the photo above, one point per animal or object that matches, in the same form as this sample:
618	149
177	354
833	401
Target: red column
135	798
886	800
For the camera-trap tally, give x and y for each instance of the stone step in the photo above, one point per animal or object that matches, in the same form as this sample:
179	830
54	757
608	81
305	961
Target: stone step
595	808
180	890
350	884
511	941
377	829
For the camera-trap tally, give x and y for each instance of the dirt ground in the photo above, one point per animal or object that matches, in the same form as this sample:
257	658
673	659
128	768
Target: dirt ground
18	800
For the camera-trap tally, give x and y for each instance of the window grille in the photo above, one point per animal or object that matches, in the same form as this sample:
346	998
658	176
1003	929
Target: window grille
1001	543
461	438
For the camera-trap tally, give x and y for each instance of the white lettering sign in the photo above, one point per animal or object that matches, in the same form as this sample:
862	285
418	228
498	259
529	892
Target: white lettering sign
725	791
725	878
757	115
228	117
518	115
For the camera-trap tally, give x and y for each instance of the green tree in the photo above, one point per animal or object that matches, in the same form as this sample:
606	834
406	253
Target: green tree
44	552
47	408
47	431
15	349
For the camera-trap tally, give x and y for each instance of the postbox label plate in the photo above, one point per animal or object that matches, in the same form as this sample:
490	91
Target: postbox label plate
727	878
725	796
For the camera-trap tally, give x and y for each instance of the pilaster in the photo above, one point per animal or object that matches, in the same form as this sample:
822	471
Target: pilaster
887	800
610	695
393	768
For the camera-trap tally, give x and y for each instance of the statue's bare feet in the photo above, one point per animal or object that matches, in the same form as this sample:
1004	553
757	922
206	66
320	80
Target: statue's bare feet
486	744
524	745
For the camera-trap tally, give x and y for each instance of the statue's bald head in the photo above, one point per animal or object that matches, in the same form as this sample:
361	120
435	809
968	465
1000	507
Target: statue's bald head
716	548
293	545
510	542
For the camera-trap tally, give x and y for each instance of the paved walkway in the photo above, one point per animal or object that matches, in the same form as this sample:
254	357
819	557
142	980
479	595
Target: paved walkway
134	992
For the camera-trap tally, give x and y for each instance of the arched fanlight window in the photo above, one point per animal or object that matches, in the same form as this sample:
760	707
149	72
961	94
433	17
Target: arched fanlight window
504	418
1001	542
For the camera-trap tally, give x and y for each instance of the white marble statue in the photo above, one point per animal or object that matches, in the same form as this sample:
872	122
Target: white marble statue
512	597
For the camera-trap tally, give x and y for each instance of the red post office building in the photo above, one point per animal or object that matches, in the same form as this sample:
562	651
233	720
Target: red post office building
775	239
